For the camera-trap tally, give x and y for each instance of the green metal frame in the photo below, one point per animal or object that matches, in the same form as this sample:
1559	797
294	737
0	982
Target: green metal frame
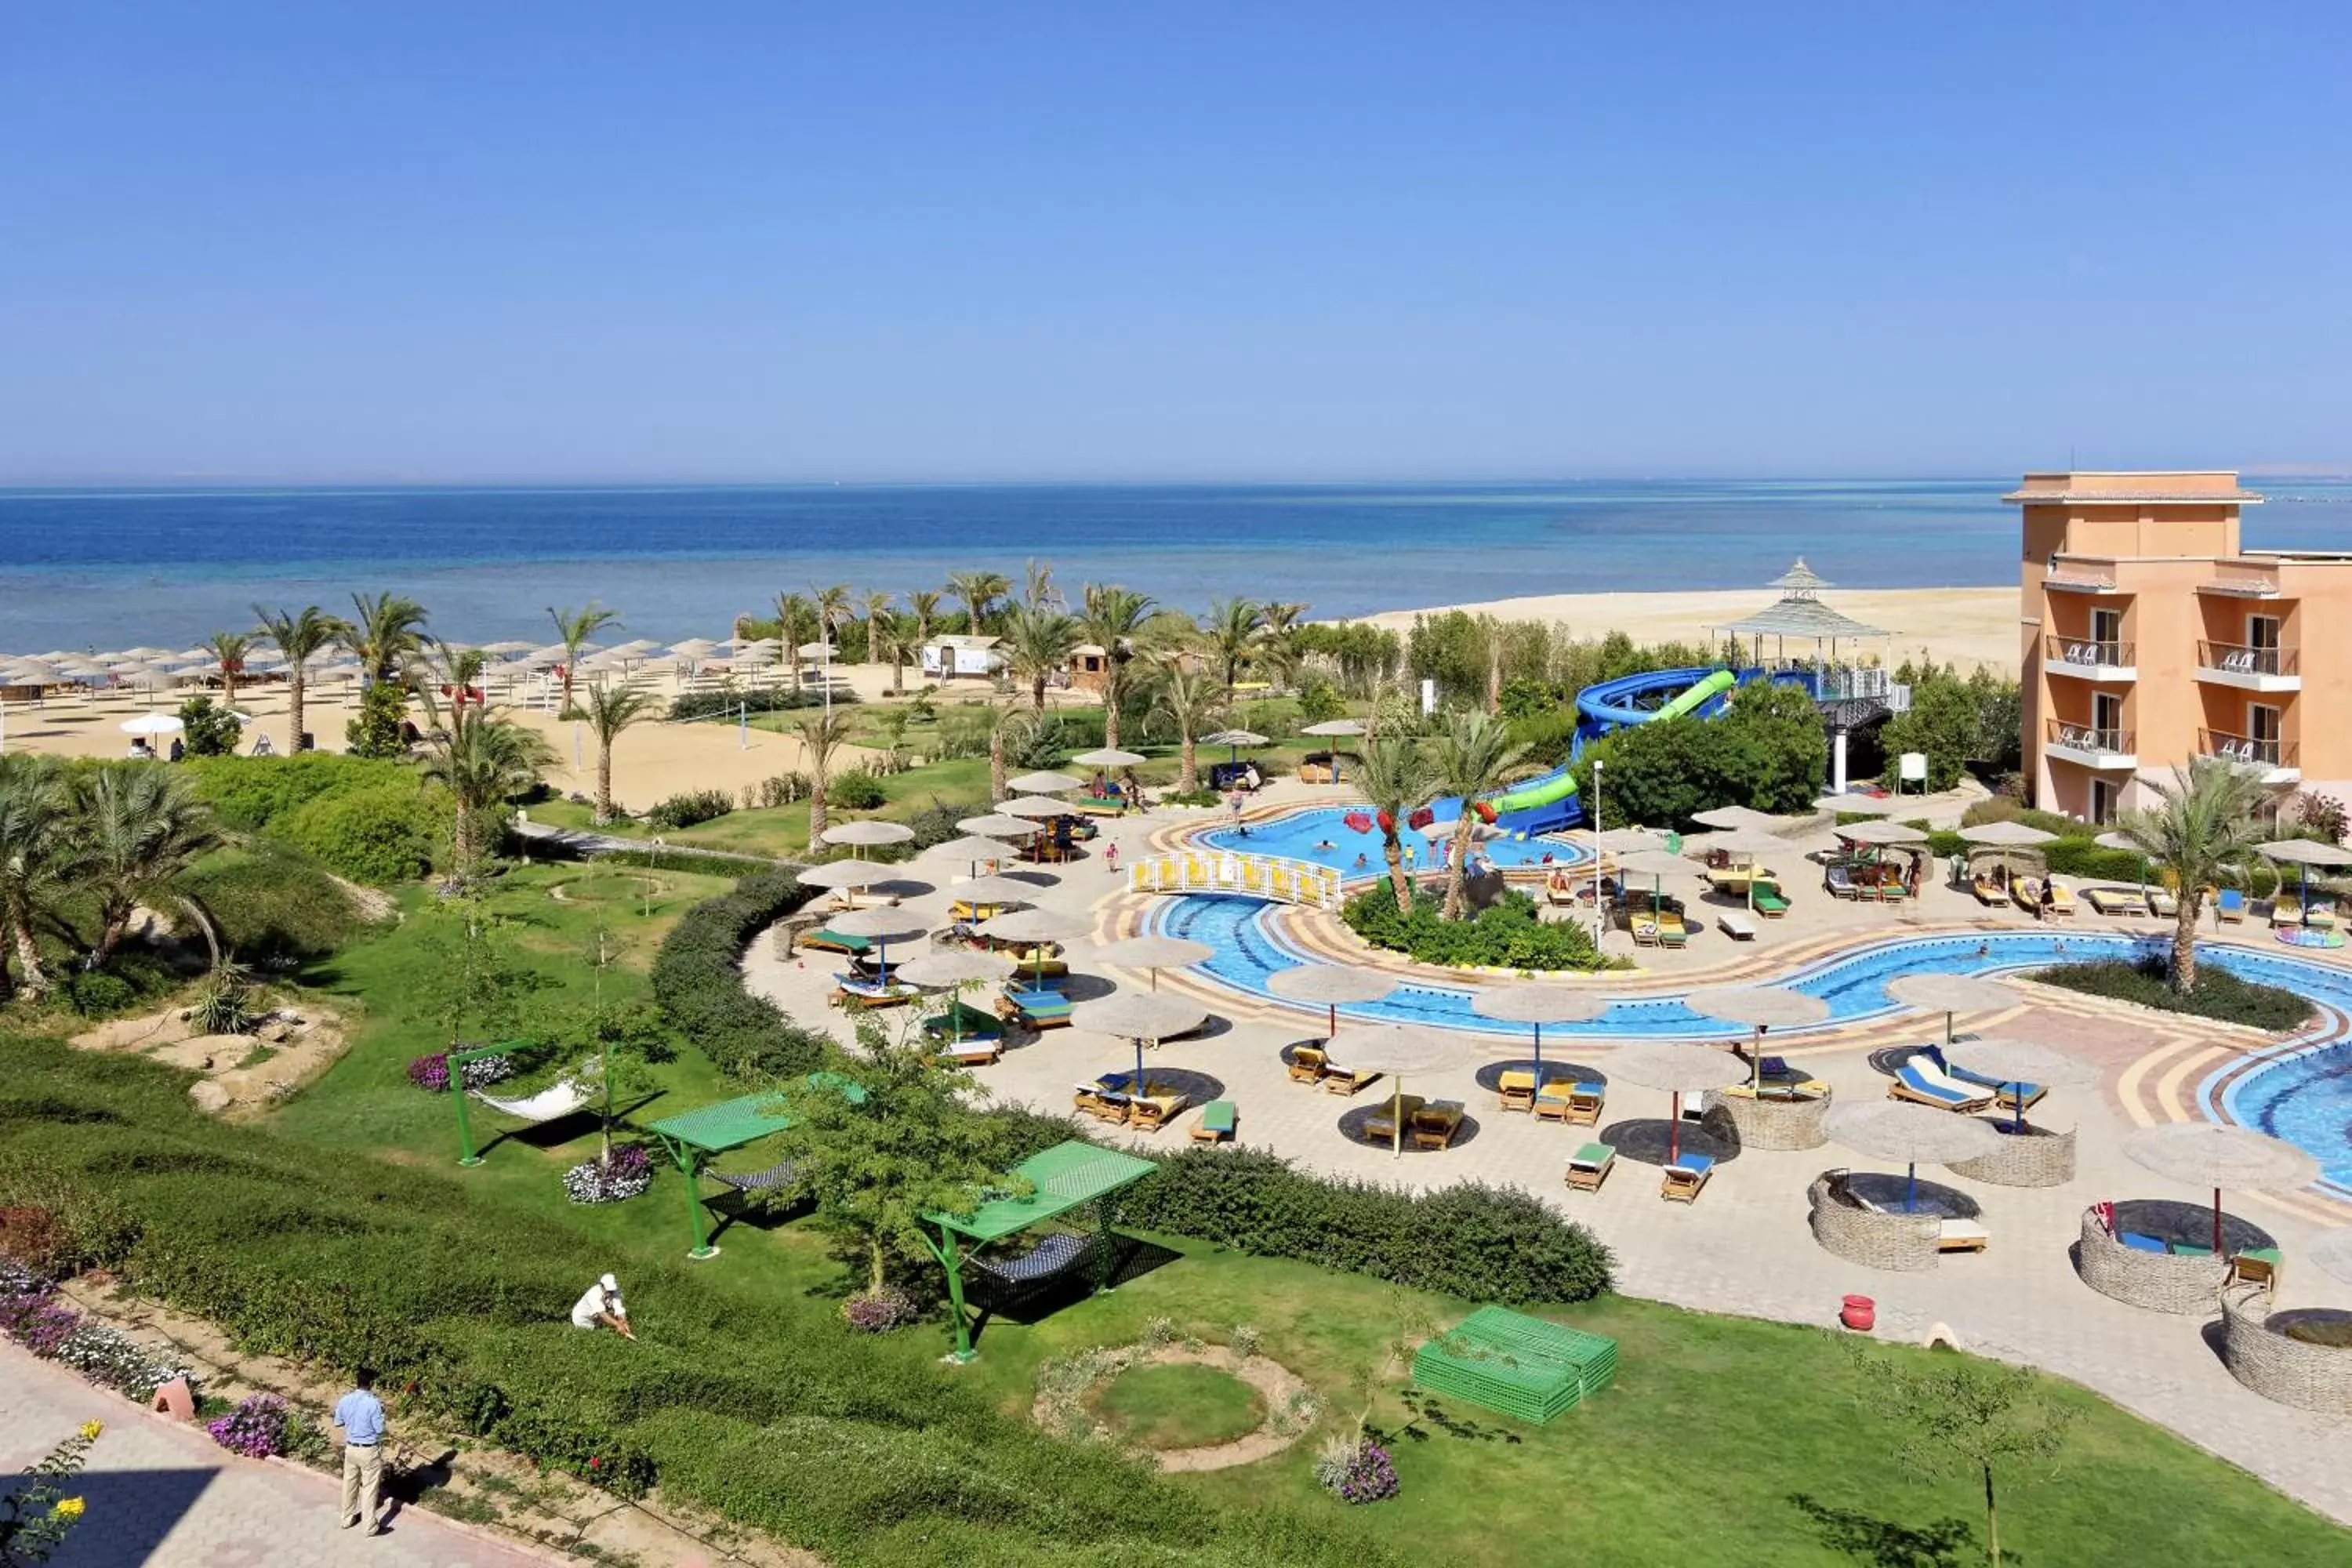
1516	1365
1059	1179
457	1060
691	1136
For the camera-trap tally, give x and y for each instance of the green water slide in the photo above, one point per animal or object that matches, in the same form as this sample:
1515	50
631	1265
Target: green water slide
1552	787
1706	691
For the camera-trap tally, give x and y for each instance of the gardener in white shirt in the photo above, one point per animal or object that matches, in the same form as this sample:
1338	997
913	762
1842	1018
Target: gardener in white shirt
600	1308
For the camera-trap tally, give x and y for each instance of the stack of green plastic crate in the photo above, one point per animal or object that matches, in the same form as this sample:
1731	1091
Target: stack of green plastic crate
1516	1365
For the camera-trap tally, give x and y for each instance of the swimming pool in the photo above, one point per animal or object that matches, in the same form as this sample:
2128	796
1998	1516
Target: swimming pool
1295	835
2302	1094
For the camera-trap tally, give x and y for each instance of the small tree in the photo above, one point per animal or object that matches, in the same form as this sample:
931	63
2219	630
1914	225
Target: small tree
1971	1416
1396	778
2204	826
1114	621
610	710
1037	646
483	761
903	1142
821	734
573	628
229	651
300	634
375	731
476	974
210	730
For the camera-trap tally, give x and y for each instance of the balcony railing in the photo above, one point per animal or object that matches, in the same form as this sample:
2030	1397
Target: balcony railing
2248	750
2244	659
2089	737
2086	651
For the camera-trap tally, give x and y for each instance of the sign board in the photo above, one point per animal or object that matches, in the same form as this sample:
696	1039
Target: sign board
1913	767
1428	698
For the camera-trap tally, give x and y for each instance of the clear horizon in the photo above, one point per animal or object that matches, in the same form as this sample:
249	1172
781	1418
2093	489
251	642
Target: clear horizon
267	245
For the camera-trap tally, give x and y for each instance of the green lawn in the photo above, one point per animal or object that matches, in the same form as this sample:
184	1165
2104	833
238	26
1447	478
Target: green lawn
1723	1441
1178	1407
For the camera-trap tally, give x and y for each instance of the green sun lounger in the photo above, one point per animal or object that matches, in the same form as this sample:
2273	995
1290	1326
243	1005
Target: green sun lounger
1768	900
1217	1123
824	941
964	1022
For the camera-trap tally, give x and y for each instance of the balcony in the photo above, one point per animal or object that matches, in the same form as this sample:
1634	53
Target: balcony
2273	761
2090	745
2088	658
2249	669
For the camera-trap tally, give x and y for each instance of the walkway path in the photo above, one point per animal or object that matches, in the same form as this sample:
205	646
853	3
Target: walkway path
585	841
168	1496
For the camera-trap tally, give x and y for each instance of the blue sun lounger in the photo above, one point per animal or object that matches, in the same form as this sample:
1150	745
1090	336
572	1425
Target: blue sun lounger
2009	1093
1687	1176
1912	1085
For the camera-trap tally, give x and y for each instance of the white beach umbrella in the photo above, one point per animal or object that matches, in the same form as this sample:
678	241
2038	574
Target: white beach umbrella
1895	1130
1538	1005
1152	951
1336	728
1759	1006
2208	1154
152	724
1046	782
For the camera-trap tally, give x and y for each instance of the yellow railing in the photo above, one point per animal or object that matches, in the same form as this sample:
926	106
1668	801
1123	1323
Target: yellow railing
1258	876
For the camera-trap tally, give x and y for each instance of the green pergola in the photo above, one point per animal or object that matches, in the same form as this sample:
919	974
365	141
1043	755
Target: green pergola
693	1136
1058	1180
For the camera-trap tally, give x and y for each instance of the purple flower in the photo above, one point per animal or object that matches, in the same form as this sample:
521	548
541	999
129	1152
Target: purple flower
256	1428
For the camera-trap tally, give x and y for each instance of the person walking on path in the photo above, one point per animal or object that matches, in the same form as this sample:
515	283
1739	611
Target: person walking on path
1110	857
600	1307
360	1415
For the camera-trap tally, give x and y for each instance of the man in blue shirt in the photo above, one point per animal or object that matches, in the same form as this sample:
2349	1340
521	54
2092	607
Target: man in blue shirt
360	1415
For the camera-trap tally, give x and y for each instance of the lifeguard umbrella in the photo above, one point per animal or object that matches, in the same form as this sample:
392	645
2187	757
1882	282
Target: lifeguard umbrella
1735	818
1046	782
1760	1006
1397	1051
1108	757
2305	853
996	824
858	835
953	968
1950	993
1678	1067
1035	929
2208	1155
1331	983
1748	843
1896	1129
2022	1062
880	924
1152	951
1140	1015
1539	1005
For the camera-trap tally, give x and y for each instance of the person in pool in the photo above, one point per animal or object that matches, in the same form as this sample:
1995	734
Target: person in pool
1361	861
1326	844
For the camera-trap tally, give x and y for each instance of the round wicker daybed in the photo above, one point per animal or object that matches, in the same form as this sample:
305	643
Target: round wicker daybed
2034	1157
2164	1282
1773	1120
1845	1222
2301	1357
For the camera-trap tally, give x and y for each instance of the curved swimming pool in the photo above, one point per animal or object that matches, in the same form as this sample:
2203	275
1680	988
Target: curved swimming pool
1300	834
2302	1094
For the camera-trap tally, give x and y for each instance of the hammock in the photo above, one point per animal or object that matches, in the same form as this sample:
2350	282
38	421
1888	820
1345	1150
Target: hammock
548	1104
1055	1255
774	1177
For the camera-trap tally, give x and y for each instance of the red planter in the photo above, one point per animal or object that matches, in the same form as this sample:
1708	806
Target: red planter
1859	1313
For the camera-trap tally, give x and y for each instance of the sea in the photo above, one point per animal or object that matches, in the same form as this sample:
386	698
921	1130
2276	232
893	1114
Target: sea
98	569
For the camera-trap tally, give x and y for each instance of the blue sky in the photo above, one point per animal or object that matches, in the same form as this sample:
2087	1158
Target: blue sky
1298	240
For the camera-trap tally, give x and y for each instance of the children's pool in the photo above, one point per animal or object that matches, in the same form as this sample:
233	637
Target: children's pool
1301	835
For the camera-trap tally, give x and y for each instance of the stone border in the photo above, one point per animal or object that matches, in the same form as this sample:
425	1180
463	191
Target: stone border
1277	1382
1773	1124
2034	1157
2308	1376
1911	1243
2159	1281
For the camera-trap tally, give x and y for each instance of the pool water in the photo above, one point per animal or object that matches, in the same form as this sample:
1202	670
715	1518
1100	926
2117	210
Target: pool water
1296	835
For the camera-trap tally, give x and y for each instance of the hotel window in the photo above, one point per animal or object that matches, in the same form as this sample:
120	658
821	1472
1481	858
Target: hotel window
2103	802
2107	718
2262	641
2108	632
2263	729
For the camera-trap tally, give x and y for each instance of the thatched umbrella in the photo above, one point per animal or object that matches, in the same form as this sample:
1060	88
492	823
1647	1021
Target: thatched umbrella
1738	817
1335	729
880	924
1396	1051
1045	782
972	849
1152	951
2208	1155
1233	740
2005	836
1895	1130
1760	1006
1950	993
845	875
1657	865
1035	929
1538	1005
1034	807
2305	853
951	969
1105	757
1140	1015
996	890
1748	843
2019	1062
996	824
1879	835
1678	1067
1331	983
1859	805
2332	1252
859	834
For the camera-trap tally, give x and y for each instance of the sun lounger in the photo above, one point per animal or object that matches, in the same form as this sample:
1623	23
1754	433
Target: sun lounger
1988	889
2256	1266
1516	1091
2228	905
1913	1084
1036	962
1435	1124
1217	1123
2161	903
1951	1235
1382	1126
1584	1103
823	941
2025	892
856	993
1307	1064
1102	1104
1839	881
1038	1007
2061	900
1150	1113
1672	931
1552	1100
1956	1076
1340	1080
1589	1166
1736	925
2114	901
1687	1178
1770	902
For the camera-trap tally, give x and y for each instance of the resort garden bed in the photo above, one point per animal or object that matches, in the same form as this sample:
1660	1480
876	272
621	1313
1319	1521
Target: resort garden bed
1507	934
2219	994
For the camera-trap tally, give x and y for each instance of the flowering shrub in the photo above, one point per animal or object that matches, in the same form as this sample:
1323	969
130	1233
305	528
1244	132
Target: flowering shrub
630	1173
35	1516
31	1315
431	1073
1358	1469
256	1428
878	1311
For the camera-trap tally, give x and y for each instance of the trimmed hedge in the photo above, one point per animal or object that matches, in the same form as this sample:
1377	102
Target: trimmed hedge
2219	994
1483	1243
699	984
249	794
381	834
1505	935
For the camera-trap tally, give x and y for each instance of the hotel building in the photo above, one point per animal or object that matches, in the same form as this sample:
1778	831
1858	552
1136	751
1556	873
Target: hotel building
2150	636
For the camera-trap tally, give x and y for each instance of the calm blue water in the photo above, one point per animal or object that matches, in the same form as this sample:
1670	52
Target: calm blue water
1296	836
99	567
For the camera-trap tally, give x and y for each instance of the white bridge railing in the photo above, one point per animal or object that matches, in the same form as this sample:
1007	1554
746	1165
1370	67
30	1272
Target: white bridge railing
1258	876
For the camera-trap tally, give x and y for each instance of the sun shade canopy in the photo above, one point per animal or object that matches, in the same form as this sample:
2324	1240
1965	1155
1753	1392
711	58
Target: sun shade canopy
1060	1179
714	1128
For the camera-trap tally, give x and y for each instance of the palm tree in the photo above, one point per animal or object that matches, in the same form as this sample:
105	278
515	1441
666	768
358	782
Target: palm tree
1474	755
300	634
229	650
979	591
1114	619
2204	823
1184	694
1396	778
573	628
879	603
1233	633
925	604
1278	641
483	761
794	617
890	639
833	609
387	631
821	734
459	669
1037	590
1038	643
610	710
35	858
135	830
